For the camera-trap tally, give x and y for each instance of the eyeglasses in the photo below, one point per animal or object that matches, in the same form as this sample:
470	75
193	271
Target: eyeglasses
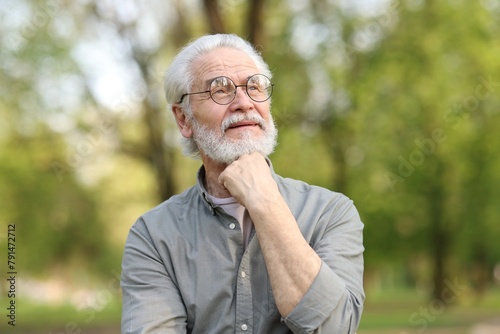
222	90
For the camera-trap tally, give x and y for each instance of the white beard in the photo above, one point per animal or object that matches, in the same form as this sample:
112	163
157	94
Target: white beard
215	145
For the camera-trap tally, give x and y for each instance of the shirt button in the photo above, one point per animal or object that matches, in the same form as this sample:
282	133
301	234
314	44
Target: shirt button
244	327
243	274
232	226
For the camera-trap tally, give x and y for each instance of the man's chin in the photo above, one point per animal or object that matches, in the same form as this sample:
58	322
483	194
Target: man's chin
226	150
243	135
228	159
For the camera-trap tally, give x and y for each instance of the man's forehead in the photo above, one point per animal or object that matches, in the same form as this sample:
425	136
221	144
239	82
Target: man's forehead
223	62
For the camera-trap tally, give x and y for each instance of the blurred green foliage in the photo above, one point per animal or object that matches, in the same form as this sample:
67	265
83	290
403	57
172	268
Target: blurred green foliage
395	104
57	223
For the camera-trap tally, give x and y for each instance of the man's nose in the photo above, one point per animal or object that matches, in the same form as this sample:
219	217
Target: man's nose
242	101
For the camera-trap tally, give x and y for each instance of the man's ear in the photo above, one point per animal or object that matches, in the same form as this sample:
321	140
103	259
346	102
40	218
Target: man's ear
182	123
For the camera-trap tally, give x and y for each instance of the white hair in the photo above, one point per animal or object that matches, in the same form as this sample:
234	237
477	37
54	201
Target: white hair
179	77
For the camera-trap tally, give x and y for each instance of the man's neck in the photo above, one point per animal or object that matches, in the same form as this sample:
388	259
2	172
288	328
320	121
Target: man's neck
213	170
211	182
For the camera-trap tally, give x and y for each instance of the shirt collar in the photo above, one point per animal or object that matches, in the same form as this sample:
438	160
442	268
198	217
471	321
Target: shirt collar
204	193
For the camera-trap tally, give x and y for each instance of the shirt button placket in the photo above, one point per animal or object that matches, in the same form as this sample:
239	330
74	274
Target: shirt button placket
244	302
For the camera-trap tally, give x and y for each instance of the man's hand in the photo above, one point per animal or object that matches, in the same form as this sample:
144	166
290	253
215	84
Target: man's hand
249	180
292	264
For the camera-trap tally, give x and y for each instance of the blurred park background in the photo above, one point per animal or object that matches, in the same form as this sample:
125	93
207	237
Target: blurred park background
394	103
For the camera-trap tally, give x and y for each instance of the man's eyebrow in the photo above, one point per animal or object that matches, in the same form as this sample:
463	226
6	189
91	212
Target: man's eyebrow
207	82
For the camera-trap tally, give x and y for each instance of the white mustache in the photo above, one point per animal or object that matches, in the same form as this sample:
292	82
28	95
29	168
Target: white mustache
236	118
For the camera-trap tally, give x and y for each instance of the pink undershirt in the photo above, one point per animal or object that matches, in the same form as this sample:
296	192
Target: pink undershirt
238	211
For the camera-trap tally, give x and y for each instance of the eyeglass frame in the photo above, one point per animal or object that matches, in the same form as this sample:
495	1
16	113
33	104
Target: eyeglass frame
235	90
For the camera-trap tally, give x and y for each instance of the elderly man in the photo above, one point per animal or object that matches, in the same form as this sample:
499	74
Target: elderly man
244	250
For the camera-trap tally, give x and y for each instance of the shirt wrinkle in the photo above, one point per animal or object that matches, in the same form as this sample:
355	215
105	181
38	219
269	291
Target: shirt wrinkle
221	286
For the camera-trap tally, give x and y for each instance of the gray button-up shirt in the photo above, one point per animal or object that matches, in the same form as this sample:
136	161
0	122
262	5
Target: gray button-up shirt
186	268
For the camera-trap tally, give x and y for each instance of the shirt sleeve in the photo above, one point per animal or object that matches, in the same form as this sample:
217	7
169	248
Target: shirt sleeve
151	301
334	302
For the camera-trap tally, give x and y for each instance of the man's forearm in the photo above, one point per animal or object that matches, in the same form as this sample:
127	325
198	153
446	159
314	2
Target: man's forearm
291	263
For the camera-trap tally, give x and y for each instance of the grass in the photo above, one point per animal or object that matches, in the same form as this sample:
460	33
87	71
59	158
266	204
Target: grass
44	317
402	312
390	312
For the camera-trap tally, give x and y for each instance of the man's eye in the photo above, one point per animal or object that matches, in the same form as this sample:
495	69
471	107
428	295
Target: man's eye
255	88
220	90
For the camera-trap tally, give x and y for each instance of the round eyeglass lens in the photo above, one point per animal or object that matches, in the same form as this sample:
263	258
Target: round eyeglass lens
259	88
222	90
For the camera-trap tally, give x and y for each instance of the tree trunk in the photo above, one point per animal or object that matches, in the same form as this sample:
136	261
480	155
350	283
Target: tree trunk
159	154
255	23
438	232
337	137
214	18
